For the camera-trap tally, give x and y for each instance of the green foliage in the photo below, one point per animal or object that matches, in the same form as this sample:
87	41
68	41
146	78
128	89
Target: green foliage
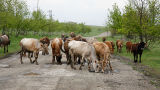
15	17
115	19
139	18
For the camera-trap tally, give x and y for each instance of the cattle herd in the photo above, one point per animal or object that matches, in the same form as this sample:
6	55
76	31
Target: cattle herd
77	50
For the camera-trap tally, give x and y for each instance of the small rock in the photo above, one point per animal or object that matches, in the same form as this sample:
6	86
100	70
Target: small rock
4	66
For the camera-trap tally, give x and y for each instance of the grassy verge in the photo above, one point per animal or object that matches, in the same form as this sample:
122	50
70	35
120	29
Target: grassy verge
150	65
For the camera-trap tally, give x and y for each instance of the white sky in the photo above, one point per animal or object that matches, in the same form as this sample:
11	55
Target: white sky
91	12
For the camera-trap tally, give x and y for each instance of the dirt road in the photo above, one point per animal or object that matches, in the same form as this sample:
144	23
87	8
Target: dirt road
46	76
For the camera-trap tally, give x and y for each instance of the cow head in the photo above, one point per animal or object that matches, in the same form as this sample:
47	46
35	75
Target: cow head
141	45
44	49
96	65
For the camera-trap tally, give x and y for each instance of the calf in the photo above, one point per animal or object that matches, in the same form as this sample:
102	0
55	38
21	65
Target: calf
128	46
137	49
103	54
32	45
56	46
119	44
85	50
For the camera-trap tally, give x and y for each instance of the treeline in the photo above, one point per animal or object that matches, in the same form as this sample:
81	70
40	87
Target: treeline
139	18
15	17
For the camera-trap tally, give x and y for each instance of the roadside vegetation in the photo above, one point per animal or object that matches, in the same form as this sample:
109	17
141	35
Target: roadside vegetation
139	21
18	22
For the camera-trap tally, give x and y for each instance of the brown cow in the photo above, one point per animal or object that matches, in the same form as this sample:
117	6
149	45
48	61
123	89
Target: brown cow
113	45
119	44
56	46
128	46
4	41
45	40
67	50
103	54
110	46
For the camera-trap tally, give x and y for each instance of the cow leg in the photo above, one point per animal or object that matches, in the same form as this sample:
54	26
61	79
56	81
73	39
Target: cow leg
134	57
21	55
80	68
110	65
72	62
140	58
68	58
103	65
59	59
36	60
29	57
31	54
79	60
127	49
7	48
89	64
4	49
36	56
53	59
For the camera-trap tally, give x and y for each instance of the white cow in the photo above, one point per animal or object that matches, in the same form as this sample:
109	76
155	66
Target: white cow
85	50
32	45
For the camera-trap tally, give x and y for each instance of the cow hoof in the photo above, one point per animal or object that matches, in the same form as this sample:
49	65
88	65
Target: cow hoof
60	63
31	62
96	71
74	68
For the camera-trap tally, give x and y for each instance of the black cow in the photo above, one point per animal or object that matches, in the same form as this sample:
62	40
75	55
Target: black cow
137	49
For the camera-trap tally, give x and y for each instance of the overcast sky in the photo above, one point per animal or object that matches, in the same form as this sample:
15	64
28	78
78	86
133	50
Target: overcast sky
90	12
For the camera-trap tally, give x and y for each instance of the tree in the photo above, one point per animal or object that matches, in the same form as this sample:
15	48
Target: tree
139	18
115	19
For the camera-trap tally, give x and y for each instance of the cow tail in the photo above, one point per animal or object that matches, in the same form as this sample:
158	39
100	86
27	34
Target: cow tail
62	50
